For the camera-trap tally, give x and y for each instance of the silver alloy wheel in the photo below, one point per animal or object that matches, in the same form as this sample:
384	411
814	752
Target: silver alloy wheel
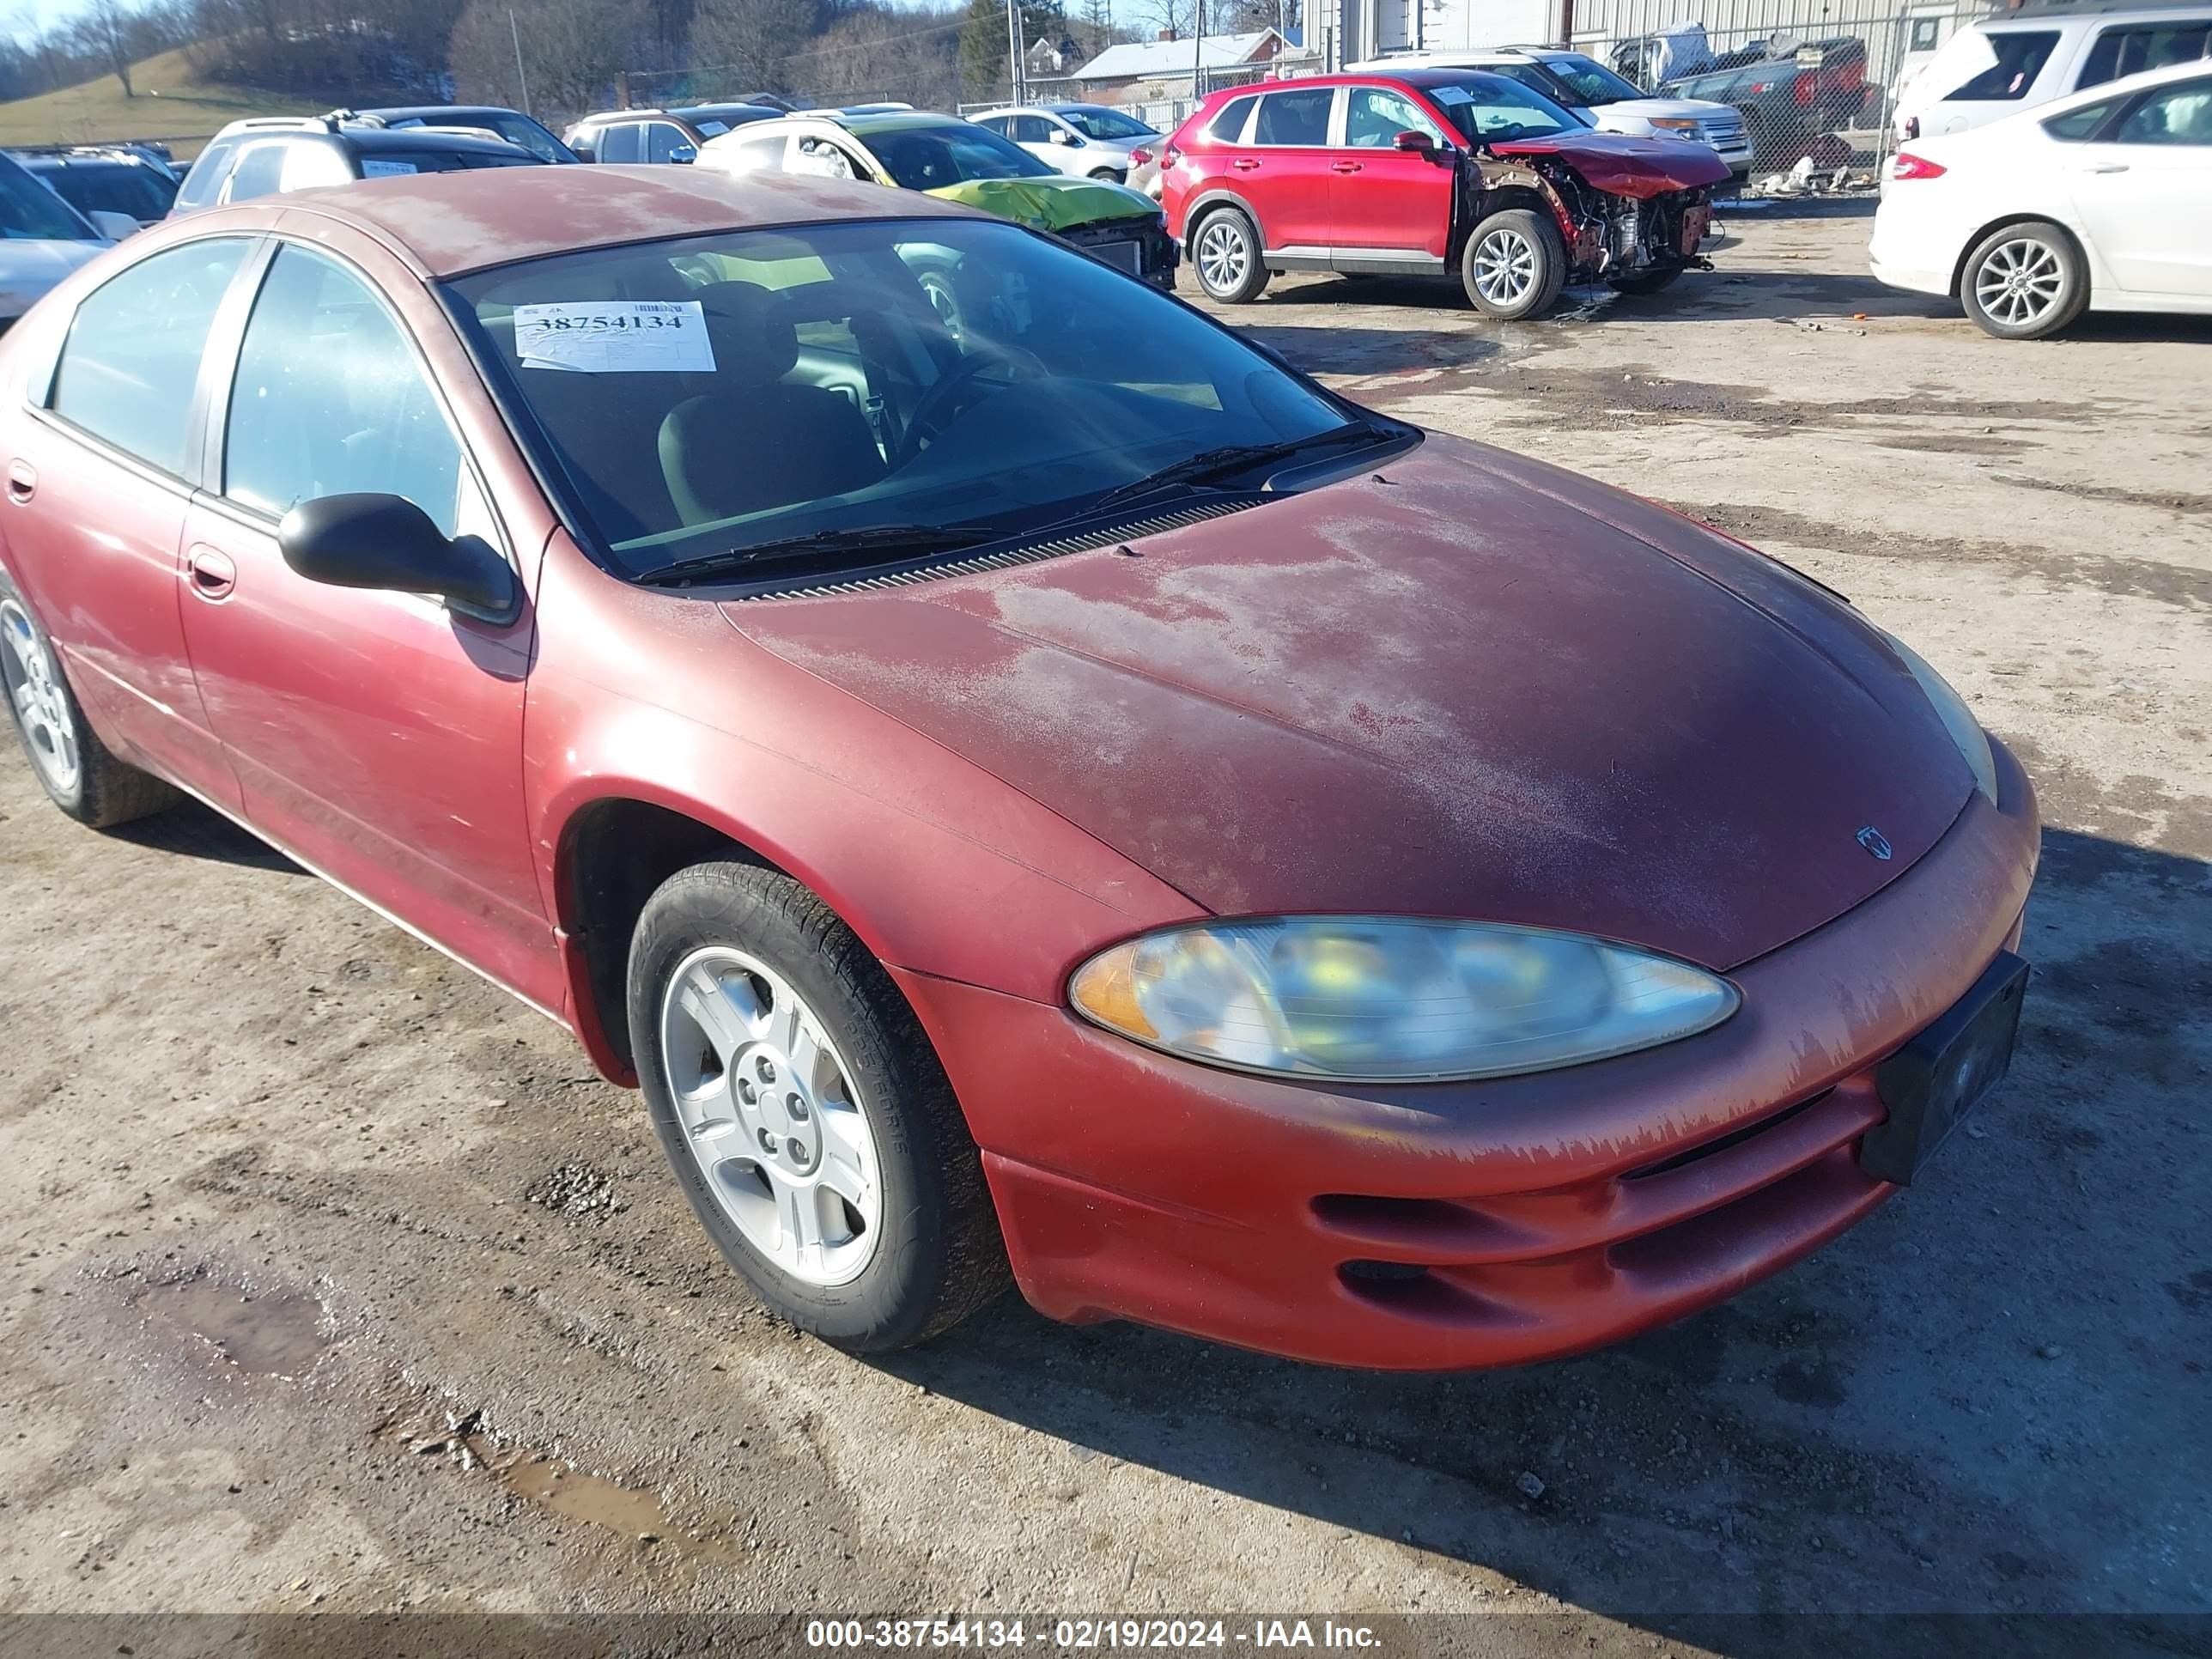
1224	254
770	1111
2020	283
1504	266
36	691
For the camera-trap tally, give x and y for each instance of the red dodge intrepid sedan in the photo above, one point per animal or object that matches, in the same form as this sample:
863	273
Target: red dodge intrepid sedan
1021	779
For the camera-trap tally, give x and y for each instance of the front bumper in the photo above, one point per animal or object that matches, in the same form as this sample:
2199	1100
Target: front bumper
1440	1226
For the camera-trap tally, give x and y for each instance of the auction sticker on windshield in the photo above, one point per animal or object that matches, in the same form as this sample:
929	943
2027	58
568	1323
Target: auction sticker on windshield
615	337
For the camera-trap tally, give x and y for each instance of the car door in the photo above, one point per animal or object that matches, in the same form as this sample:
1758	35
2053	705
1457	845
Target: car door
377	735
1034	133
666	142
1283	169
98	492
2143	190
1385	202
620	141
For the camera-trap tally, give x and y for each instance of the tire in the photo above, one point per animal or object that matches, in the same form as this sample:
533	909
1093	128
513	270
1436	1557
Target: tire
2024	282
78	772
1647	281
1109	176
779	979
1225	253
1514	265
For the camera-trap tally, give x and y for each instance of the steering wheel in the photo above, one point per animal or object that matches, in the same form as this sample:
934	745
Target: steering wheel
944	399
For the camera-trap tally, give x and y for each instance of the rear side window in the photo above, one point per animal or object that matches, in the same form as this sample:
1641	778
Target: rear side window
1294	117
620	142
131	384
1228	127
260	172
204	181
2131	51
329	400
2077	125
2178	114
2021	56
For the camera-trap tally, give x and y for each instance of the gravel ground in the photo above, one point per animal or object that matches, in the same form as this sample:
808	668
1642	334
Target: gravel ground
339	1283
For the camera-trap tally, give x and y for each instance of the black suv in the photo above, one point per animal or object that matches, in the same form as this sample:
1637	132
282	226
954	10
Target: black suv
511	125
267	154
658	135
104	178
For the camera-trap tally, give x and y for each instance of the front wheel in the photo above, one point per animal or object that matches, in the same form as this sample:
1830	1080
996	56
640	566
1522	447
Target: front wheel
806	1114
1514	265
1225	254
2024	282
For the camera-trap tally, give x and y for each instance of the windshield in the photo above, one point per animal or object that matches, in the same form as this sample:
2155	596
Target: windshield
929	158
521	130
381	163
29	212
1590	81
1489	109
722	392
1106	125
113	187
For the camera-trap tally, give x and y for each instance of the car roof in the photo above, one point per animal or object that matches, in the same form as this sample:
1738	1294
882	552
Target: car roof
447	224
370	140
2098	11
423	112
715	111
895	121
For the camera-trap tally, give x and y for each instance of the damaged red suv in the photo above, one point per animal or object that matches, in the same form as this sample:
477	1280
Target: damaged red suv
1430	172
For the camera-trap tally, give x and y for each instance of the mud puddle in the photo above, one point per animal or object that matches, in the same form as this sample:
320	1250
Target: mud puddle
280	1334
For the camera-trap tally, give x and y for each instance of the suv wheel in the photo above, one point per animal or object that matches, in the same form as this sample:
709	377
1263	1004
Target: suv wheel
73	765
2023	282
806	1114
1514	265
1224	250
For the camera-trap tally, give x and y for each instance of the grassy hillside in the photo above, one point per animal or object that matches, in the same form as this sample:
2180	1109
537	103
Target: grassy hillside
172	104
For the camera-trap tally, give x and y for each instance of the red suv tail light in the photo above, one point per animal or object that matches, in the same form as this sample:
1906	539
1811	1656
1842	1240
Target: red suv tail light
1906	164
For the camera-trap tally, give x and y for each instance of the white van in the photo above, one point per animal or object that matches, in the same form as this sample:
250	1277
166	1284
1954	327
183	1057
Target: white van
2001	65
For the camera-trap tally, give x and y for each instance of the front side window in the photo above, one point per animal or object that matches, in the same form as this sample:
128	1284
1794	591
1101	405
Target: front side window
2180	114
1489	109
2012	60
204	183
929	158
2119	51
1108	125
1375	116
662	141
330	399
621	141
29	212
825	159
758	154
521	130
1294	117
1032	130
131	384
736	391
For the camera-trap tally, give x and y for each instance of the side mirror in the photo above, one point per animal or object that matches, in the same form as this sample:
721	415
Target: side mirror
685	154
113	226
1062	136
1419	142
387	542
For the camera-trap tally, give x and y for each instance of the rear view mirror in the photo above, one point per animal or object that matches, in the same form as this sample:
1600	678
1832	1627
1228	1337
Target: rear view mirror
1409	140
387	542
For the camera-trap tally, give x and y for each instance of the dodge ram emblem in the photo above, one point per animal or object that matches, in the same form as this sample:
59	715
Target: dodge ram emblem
1874	842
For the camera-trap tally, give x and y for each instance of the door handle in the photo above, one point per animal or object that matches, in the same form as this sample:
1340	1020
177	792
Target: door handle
2106	166
212	573
22	481
1344	166
1243	164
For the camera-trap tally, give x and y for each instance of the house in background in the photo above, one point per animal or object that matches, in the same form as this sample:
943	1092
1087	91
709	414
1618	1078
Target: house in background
1047	56
1145	70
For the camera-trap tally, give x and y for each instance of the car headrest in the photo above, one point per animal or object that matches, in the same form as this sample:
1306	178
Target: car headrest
752	335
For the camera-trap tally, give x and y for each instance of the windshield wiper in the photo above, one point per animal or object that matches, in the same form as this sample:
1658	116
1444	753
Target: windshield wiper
1232	457
898	538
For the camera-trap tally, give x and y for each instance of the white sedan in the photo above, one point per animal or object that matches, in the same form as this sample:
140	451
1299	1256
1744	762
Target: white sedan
2102	200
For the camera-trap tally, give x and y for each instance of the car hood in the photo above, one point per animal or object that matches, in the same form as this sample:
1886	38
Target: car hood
1058	203
1671	109
1465	685
1626	166
27	270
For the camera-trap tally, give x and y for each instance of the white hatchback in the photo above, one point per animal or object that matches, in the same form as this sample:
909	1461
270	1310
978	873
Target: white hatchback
1997	66
2100	201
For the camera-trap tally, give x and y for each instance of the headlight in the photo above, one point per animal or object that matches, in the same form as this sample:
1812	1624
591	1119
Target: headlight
1386	999
1958	719
1674	122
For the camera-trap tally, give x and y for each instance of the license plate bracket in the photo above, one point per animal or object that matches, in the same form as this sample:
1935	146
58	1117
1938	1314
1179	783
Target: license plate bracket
1933	1081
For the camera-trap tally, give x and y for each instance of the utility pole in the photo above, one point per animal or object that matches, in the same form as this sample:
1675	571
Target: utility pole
1197	52
514	29
1014	50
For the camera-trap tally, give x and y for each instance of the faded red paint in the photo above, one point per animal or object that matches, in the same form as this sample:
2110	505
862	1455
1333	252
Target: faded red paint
1473	685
